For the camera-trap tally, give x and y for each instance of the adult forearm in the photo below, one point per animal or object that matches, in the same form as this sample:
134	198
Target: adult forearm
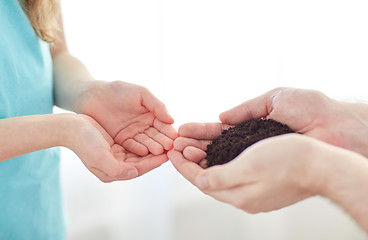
71	78
355	132
360	109
347	184
21	135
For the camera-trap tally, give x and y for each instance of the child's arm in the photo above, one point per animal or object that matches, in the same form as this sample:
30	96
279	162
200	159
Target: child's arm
21	135
81	134
71	77
130	113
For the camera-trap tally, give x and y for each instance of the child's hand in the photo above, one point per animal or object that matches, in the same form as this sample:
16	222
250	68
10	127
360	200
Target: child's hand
103	157
134	118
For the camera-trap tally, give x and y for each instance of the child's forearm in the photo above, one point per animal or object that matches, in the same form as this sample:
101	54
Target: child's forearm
70	74
21	135
71	78
347	184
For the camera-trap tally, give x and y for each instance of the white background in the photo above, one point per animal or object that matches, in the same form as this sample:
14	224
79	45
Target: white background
201	57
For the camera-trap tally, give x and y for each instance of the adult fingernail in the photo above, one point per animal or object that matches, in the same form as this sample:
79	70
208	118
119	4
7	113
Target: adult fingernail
203	182
132	173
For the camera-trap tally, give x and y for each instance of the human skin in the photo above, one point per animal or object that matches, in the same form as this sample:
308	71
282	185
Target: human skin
305	111
121	130
80	133
132	116
280	171
309	112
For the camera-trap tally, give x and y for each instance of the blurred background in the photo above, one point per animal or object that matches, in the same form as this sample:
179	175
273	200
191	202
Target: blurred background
201	57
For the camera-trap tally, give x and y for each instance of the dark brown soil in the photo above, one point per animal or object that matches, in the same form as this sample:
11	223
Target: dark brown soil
233	141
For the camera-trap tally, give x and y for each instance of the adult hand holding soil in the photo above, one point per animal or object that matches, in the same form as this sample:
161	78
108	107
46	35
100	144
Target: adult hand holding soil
194	138
279	171
311	113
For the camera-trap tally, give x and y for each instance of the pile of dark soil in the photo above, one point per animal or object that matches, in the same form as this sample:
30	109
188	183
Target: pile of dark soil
233	141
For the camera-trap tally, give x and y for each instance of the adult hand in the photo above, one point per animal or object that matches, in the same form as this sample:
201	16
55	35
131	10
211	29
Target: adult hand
305	111
266	176
103	157
282	170
131	115
194	138
311	113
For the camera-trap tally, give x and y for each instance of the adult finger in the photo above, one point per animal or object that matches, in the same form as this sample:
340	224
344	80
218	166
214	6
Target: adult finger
203	131
253	109
182	142
214	178
194	154
227	176
191	171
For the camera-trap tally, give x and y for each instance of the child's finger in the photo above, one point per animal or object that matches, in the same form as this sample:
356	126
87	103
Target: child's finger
160	138
165	128
157	107
149	143
149	163
135	147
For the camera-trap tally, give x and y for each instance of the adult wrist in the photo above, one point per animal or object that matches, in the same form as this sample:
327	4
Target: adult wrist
311	175
336	169
346	182
324	167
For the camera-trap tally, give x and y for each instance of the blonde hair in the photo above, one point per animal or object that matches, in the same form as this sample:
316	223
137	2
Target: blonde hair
43	15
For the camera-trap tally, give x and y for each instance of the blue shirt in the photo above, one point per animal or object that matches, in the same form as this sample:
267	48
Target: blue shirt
30	193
